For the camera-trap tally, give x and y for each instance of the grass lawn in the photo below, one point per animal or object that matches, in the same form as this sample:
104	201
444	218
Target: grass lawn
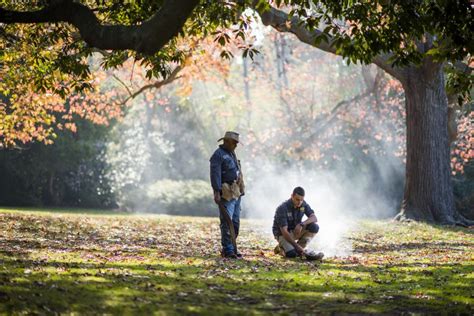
68	262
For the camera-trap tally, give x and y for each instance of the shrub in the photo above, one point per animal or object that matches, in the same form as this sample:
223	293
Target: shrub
179	197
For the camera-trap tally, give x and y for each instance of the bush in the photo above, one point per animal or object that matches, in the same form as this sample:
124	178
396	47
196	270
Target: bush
174	197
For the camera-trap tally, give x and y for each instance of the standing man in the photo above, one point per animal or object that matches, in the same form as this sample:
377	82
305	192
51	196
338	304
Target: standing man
227	183
294	234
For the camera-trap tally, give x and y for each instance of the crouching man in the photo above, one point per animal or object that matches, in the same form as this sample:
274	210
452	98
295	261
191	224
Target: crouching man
292	233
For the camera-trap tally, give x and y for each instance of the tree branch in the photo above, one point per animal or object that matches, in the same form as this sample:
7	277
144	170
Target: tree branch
280	21
327	120
156	85
146	38
122	83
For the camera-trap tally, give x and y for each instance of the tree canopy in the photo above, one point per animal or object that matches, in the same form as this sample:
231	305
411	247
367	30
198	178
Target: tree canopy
398	31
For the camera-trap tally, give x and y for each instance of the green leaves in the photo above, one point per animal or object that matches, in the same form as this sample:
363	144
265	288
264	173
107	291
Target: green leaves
360	30
115	59
226	54
250	52
222	38
459	81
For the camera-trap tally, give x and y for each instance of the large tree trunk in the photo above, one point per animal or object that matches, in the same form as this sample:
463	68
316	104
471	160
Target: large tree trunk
428	188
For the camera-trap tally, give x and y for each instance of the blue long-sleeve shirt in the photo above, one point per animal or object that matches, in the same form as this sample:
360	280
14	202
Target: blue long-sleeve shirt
224	168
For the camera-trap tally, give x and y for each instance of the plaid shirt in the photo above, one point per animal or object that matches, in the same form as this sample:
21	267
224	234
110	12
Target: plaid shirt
287	215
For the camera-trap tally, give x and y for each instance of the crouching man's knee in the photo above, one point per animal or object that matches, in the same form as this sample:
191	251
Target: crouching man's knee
312	228
291	254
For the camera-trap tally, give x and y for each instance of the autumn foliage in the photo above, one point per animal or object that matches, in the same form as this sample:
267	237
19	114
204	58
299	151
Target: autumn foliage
463	148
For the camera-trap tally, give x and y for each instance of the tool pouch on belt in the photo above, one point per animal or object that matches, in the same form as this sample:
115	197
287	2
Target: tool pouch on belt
230	191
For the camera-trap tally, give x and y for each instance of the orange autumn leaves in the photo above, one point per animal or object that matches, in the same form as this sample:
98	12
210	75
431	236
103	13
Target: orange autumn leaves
27	116
463	148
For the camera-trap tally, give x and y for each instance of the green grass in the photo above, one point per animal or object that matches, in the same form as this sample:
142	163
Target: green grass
68	262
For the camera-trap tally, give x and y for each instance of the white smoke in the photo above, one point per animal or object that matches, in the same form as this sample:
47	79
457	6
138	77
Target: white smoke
339	203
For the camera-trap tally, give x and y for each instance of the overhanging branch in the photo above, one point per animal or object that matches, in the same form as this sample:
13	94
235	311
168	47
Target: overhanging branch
325	121
280	21
155	85
146	38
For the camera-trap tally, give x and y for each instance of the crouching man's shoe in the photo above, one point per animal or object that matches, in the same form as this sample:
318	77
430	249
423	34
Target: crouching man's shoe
312	255
277	250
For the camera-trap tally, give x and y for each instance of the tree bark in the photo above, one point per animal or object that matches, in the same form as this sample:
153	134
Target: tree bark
53	194
248	99
428	189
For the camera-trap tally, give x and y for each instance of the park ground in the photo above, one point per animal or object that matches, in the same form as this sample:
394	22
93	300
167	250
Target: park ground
95	262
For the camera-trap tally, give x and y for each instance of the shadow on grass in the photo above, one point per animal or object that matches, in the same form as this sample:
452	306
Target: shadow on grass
232	287
455	229
370	247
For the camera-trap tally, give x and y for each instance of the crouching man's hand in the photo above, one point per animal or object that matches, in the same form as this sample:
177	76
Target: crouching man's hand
299	249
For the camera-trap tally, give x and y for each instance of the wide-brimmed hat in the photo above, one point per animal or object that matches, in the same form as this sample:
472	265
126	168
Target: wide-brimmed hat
230	135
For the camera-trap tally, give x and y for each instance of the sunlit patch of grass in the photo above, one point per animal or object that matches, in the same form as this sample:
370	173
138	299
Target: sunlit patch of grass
55	262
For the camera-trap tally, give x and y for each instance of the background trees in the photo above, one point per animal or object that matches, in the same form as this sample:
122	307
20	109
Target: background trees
70	172
383	33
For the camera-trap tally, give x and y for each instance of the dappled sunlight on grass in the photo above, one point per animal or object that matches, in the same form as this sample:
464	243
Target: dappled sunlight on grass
81	263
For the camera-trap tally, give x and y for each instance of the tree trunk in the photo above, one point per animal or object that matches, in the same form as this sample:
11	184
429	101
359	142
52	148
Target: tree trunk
53	194
248	100
428	189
